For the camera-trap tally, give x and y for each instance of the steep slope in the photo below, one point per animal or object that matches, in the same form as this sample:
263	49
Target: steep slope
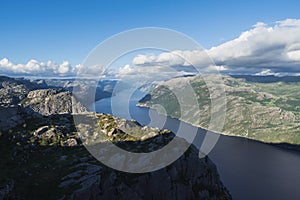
13	90
267	112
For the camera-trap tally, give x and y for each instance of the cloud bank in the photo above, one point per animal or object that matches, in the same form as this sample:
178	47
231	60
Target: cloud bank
275	48
49	69
36	68
261	50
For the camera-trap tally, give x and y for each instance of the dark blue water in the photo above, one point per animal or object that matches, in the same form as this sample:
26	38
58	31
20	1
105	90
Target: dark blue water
249	169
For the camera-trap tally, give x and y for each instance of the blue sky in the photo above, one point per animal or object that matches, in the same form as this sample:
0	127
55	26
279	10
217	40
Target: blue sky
61	30
68	29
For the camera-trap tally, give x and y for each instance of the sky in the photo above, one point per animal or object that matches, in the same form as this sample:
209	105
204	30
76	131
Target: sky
38	35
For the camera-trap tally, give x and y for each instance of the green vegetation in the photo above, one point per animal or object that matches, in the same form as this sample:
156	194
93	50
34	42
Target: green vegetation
269	112
168	100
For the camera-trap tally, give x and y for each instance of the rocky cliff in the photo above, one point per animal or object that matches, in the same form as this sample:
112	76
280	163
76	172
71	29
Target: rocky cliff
13	90
52	101
20	98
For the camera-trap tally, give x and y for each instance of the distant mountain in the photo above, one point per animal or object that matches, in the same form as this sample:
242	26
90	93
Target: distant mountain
260	108
268	78
101	89
13	90
19	87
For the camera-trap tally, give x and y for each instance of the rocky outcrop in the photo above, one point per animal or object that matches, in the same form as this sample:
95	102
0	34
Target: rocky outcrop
187	178
21	98
94	89
70	142
52	101
12	90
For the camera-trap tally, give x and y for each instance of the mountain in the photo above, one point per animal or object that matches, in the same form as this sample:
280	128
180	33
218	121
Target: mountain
43	154
266	110
13	90
18	87
101	88
268	78
51	101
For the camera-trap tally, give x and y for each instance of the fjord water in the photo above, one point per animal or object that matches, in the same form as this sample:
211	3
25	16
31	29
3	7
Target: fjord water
249	169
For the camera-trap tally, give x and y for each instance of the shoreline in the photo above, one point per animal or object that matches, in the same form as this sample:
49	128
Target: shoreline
283	145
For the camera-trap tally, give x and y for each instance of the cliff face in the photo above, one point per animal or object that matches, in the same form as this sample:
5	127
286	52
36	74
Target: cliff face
187	178
51	101
43	156
20	98
12	90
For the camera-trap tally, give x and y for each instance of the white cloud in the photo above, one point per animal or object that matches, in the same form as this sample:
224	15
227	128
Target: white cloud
170	59
64	67
294	55
49	68
143	59
163	59
216	68
143	73
262	47
276	47
266	72
34	67
126	70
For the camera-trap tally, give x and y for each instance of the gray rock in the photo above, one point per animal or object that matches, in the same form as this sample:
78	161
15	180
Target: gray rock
187	178
41	130
52	101
70	142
